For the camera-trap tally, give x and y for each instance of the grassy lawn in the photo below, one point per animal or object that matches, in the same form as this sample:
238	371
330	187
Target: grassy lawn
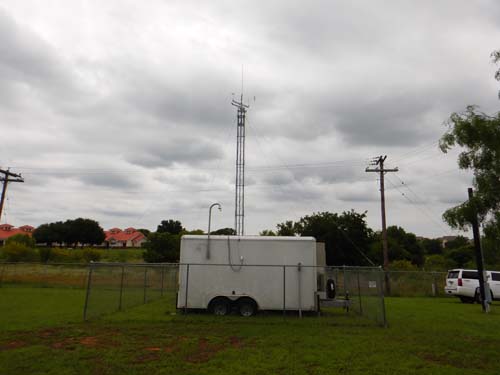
43	334
27	308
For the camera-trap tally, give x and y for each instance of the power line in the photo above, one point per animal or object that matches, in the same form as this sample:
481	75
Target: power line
333	164
415	151
446	230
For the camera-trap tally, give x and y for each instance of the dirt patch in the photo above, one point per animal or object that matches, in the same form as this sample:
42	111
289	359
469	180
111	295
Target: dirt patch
205	351
147	357
90	341
445	361
49	332
13	345
170	349
235	342
71	343
153	349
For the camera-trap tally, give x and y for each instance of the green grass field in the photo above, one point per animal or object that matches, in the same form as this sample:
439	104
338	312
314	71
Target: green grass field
41	332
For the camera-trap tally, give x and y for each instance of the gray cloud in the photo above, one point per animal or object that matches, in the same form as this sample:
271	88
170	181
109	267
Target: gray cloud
117	181
176	149
143	93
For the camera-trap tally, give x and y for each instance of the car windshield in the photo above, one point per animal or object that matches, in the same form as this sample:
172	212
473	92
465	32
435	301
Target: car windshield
453	274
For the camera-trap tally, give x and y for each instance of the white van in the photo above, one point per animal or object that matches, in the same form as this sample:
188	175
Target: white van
464	284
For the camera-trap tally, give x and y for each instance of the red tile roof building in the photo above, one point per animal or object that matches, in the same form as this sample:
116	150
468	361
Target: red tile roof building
130	237
7	230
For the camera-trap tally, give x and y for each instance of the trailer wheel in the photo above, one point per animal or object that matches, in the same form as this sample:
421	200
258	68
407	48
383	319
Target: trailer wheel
330	289
247	307
220	306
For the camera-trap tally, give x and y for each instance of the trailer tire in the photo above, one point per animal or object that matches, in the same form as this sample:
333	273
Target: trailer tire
247	307
331	290
220	306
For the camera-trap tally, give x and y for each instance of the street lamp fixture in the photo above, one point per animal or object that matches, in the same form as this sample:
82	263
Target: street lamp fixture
209	222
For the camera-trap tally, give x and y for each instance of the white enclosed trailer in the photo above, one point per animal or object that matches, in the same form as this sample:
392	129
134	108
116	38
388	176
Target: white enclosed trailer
248	273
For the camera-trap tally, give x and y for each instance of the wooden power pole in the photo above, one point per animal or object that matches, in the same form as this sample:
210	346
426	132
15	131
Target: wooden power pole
8	176
379	162
483	285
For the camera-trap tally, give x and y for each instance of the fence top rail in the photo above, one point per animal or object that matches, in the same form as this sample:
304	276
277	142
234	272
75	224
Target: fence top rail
103	264
47	264
418	272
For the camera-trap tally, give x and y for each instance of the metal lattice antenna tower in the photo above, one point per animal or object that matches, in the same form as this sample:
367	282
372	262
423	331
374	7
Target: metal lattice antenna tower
239	204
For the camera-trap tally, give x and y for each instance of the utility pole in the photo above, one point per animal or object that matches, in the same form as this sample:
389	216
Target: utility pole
379	161
483	285
239	204
6	179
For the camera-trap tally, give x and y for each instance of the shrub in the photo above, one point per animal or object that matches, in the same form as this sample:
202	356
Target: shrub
437	262
162	247
66	256
18	252
22	239
402	265
91	255
45	254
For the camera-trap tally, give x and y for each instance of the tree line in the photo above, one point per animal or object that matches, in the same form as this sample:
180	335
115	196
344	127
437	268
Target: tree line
348	241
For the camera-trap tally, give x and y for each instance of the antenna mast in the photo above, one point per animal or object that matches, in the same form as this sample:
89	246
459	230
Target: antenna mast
239	205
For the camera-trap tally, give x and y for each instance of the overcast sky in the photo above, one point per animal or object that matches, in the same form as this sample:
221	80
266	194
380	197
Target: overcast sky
120	111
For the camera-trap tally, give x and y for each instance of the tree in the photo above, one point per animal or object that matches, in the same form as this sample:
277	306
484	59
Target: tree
170	226
50	233
267	232
457	242
346	236
491	243
162	247
431	246
194	231
22	239
438	262
479	135
495	57
287	228
83	231
224	232
144	231
402	246
71	232
460	256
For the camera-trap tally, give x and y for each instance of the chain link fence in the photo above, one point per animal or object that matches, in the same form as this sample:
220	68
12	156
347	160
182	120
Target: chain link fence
188	287
115	287
415	284
44	275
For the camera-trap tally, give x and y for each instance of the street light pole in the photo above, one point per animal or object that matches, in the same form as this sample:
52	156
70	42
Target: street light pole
209	223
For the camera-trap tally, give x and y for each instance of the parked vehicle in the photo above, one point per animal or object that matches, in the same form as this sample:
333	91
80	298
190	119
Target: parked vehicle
464	284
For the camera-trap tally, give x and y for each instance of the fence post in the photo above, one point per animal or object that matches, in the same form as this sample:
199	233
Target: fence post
381	286
186	294
145	282
162	280
300	296
87	294
343	278
1	274
284	290
44	282
359	295
434	285
121	289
